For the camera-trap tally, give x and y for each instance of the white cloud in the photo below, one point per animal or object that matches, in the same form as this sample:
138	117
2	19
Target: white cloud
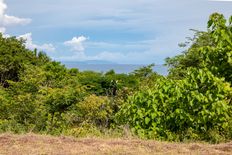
119	57
7	20
82	56
12	20
30	45
126	58
76	43
2	30
135	52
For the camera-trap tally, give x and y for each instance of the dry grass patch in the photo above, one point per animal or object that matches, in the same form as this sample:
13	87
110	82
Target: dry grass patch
43	144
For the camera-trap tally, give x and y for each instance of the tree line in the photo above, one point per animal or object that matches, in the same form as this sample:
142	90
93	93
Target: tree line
194	102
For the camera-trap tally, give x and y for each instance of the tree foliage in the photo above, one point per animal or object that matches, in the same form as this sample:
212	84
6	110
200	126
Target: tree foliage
193	102
196	97
211	49
200	102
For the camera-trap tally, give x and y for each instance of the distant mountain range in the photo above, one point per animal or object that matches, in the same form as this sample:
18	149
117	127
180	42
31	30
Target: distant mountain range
89	62
105	66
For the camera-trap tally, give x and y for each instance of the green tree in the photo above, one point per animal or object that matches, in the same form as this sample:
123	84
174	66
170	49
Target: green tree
13	58
211	49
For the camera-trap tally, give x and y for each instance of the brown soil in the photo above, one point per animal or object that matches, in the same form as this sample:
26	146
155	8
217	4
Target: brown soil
42	144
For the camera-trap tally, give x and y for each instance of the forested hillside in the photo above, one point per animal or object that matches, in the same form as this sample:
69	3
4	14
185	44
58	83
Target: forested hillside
194	102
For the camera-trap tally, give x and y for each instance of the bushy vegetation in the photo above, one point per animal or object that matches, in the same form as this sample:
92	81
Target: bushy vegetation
200	103
194	102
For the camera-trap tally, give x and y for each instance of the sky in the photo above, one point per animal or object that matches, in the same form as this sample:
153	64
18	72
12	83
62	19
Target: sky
122	31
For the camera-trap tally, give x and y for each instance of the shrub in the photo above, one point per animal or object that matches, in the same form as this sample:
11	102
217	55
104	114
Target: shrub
94	109
200	102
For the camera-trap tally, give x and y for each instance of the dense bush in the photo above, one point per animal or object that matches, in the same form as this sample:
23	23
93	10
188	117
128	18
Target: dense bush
194	102
94	110
200	103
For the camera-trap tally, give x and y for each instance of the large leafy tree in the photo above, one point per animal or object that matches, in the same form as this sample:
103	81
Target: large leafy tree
211	49
196	98
13	58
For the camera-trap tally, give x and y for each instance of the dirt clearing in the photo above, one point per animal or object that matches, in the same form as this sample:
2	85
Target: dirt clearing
42	144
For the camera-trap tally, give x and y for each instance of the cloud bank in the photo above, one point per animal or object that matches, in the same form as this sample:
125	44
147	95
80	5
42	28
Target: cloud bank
119	30
30	45
76	43
7	20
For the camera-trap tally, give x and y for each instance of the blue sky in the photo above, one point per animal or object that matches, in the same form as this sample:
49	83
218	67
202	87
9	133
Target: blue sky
122	31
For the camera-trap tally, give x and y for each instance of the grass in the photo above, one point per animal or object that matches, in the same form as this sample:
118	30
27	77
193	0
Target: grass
44	144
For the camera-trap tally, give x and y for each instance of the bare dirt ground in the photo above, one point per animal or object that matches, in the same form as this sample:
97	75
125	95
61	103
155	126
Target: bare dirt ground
42	144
